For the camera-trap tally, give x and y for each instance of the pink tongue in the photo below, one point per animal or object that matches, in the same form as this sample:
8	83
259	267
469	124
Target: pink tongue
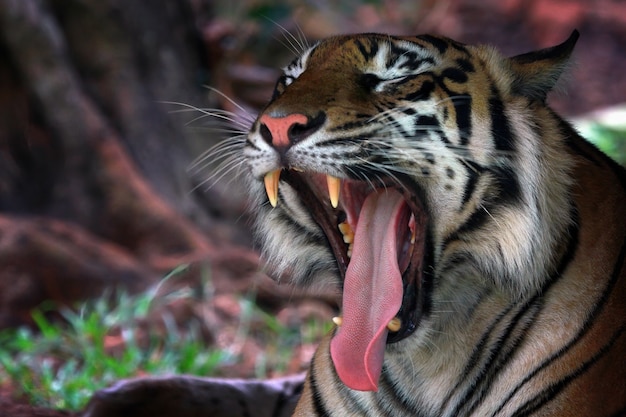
372	293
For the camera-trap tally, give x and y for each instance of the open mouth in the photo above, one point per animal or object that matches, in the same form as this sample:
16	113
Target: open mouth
377	231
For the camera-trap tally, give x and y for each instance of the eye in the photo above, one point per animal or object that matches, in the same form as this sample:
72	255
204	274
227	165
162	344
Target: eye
370	81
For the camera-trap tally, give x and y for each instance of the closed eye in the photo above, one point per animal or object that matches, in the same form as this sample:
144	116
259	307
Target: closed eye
370	81
373	82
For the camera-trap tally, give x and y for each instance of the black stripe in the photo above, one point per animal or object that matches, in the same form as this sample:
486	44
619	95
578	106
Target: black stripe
362	49
584	329
441	44
507	345
465	65
507	183
462	103
316	396
373	48
500	126
388	391
477	353
477	219
424	125
473	174
555	389
459	46
455	74
422	93
463	110
397	125
502	356
395	52
511	340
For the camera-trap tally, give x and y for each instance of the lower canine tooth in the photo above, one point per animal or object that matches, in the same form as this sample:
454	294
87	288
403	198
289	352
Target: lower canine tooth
394	325
338	321
271	186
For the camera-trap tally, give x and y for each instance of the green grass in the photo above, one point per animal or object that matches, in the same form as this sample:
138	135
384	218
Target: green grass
61	363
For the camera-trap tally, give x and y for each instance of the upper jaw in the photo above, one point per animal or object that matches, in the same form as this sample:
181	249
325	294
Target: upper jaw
333	202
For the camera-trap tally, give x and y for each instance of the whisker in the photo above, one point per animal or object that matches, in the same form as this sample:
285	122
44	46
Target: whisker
220	173
293	44
219	114
220	151
302	38
490	215
249	117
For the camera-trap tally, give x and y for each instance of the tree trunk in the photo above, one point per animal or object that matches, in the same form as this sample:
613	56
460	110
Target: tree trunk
90	159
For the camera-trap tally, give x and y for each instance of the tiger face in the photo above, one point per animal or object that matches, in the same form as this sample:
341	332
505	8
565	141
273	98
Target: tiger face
429	181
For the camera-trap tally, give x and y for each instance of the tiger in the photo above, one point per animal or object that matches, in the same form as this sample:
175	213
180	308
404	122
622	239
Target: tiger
477	239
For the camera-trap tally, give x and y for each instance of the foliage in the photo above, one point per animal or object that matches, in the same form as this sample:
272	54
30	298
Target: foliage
611	140
61	363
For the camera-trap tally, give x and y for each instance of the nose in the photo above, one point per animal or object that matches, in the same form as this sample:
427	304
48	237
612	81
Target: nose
283	132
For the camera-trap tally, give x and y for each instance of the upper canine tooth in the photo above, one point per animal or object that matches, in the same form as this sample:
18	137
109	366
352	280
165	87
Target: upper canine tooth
334	186
271	186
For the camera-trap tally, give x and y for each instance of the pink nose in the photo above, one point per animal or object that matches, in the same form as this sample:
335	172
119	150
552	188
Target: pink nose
279	127
282	132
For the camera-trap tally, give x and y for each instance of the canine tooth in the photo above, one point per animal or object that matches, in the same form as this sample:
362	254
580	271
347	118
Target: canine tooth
271	186
338	320
334	186
394	324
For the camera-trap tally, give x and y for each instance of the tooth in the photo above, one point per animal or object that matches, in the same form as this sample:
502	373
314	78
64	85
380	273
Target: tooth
271	186
334	185
412	228
338	321
394	325
346	232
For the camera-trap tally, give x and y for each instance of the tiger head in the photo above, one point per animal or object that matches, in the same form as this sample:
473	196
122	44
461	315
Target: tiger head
410	172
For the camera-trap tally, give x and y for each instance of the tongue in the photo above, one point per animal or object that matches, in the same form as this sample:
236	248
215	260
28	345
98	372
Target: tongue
372	293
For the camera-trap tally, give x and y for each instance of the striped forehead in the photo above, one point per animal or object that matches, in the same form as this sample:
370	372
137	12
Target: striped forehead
384	56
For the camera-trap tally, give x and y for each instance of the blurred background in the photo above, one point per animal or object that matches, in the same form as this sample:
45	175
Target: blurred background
125	246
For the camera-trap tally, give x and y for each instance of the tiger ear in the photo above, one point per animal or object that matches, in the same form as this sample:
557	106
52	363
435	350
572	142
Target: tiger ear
536	73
